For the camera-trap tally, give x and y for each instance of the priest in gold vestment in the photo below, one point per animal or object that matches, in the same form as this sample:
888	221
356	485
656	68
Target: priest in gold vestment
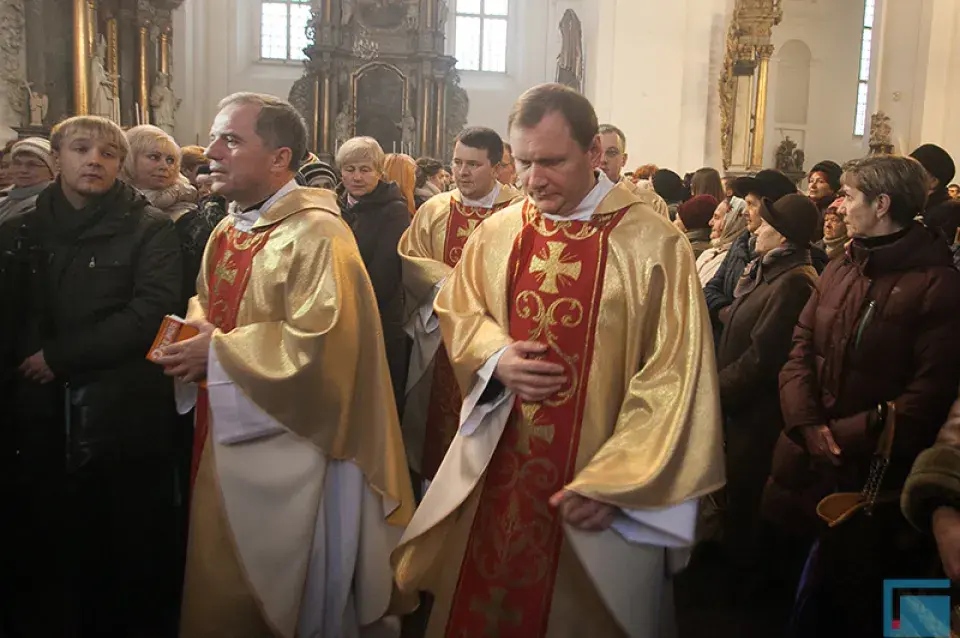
430	249
591	425
302	489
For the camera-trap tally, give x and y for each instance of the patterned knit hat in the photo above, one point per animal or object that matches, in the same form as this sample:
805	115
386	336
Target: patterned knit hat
38	147
319	172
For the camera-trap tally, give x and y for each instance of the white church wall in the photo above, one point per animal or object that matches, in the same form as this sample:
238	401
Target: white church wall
831	32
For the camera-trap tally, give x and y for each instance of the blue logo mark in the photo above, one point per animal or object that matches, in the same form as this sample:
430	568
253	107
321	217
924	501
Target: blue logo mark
916	609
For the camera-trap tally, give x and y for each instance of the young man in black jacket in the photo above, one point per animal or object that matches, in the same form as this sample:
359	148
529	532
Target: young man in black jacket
92	420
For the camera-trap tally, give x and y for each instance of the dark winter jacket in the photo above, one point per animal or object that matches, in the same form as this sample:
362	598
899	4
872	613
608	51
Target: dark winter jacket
881	327
108	275
378	220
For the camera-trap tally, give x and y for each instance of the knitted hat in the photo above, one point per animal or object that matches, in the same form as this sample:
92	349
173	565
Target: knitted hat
937	162
317	172
38	147
697	212
768	183
793	216
831	170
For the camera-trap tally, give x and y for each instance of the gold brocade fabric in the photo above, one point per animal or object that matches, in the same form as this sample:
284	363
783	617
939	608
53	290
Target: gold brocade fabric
421	247
307	347
651	435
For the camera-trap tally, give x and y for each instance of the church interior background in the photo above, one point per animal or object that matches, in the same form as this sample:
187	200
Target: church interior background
735	83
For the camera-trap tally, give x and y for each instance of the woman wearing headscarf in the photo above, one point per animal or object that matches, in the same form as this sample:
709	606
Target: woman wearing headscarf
729	220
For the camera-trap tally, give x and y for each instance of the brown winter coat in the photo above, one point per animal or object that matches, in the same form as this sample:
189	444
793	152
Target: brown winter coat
935	479
754	346
883	325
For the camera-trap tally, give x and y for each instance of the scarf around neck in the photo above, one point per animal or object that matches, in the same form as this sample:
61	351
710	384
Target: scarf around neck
752	273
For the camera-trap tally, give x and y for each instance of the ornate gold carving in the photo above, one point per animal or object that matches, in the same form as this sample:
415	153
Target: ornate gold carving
554	268
81	79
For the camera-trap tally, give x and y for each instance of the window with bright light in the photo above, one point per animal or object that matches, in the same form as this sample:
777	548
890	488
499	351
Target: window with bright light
482	35
863	86
283	29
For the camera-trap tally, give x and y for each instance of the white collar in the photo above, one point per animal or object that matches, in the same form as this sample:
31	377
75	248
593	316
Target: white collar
244	220
484	202
584	211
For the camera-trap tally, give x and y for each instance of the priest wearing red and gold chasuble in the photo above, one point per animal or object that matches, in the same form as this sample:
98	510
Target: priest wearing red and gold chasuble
591	424
301	487
430	249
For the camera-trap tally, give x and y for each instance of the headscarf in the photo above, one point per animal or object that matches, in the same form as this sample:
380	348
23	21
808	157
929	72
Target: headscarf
402	170
734	223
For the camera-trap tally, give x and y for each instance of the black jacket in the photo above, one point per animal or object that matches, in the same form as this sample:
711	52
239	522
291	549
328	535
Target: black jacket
378	220
107	276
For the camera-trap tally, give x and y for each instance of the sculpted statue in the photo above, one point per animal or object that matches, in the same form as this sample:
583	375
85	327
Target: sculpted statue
344	124
38	104
789	158
165	104
103	87
443	10
348	11
408	132
881	133
570	60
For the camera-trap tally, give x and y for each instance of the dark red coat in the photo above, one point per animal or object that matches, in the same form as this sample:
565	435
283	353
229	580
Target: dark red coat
883	325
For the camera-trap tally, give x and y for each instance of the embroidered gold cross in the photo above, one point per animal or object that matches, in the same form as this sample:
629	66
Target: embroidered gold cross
466	231
555	267
530	429
223	272
494	612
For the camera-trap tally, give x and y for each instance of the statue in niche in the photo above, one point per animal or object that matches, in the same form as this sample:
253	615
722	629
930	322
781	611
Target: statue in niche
103	94
881	134
408	132
37	103
443	10
413	16
165	104
570	60
348	10
790	159
344	124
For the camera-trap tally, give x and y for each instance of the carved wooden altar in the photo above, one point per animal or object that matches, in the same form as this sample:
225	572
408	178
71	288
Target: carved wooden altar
378	68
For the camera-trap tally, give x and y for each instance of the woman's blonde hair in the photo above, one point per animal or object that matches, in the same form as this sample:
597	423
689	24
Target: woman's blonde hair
402	170
361	149
143	139
94	126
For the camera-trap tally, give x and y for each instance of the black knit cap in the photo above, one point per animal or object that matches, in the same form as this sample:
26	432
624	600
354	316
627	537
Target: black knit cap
768	183
831	171
793	216
937	162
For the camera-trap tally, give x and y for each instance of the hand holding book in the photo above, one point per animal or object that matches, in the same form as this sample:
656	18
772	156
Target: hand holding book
182	348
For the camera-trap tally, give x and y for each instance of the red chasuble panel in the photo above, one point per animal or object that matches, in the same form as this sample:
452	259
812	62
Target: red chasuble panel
507	577
232	258
443	415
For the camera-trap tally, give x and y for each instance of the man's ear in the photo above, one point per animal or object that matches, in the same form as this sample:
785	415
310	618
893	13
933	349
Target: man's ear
281	160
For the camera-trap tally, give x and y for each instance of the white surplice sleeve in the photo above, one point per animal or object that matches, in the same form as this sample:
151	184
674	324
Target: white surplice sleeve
672	527
236	418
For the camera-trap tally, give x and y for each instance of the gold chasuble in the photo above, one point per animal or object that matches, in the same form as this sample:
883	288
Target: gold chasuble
617	300
302	488
430	249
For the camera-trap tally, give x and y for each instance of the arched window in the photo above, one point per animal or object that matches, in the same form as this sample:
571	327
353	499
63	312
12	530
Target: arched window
481	38
863	86
283	29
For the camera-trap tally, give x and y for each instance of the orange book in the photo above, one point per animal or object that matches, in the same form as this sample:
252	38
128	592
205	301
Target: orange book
172	330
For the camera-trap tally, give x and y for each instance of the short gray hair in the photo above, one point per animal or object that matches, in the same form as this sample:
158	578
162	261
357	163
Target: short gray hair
279	124
610	128
361	149
903	179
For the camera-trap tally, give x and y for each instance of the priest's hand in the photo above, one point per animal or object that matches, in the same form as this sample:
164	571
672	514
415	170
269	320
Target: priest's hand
521	371
946	529
187	360
583	513
35	368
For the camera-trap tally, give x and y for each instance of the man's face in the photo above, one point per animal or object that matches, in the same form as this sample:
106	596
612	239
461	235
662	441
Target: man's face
753	213
240	163
863	217
29	170
360	178
553	169
767	238
88	165
833	225
819	186
473	172
954	192
614	158
507	171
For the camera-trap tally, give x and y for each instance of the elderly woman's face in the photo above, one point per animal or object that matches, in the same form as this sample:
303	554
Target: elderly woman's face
719	216
156	169
359	178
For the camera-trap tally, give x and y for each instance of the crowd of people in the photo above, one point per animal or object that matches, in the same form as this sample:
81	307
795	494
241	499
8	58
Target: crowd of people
524	394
